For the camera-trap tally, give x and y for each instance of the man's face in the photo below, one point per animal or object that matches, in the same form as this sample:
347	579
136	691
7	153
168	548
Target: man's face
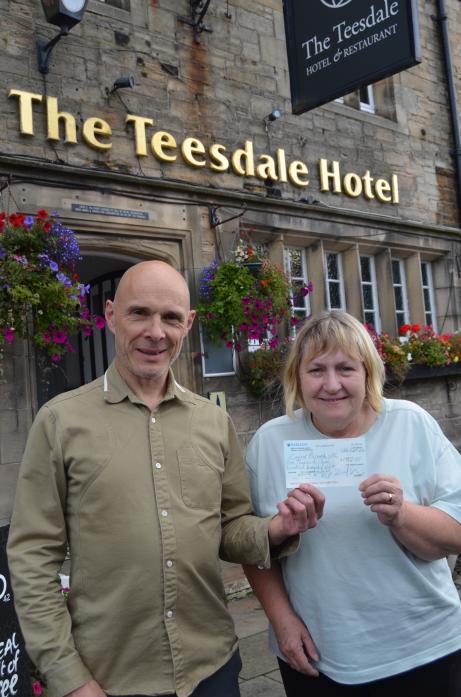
149	318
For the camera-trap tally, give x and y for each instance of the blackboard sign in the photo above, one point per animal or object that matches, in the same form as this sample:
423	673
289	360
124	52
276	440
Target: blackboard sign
15	680
337	46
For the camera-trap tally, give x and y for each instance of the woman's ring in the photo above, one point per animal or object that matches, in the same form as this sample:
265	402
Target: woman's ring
389	498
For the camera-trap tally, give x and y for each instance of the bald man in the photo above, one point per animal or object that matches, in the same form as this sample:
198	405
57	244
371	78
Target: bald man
144	481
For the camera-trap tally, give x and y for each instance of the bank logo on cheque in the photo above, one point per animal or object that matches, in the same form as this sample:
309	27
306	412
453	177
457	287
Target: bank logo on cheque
335	3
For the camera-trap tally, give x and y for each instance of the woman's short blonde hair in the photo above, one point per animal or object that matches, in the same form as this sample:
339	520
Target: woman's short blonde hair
332	331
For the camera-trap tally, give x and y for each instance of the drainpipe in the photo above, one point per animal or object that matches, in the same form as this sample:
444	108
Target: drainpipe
442	19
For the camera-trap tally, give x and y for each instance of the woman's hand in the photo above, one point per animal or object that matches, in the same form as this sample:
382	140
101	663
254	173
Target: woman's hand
296	644
384	495
300	511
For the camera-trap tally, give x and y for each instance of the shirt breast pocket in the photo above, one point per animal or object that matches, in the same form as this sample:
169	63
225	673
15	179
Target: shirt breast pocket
200	483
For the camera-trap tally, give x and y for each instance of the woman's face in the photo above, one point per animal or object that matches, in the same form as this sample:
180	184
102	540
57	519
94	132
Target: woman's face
333	389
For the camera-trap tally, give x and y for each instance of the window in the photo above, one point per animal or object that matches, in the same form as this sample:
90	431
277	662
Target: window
296	270
400	292
366	99
428	292
216	360
334	281
370	292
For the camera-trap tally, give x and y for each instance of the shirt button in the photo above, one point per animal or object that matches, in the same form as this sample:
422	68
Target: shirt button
164	514
158	465
169	563
169	614
153	419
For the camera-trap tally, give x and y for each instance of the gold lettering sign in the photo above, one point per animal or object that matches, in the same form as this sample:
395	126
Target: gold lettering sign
243	162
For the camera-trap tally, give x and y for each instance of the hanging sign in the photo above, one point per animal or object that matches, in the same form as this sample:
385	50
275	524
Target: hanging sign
337	46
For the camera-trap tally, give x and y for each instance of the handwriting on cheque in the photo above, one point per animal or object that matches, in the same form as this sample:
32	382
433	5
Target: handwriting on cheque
326	462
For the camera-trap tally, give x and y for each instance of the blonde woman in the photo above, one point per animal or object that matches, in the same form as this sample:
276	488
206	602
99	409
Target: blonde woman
367	606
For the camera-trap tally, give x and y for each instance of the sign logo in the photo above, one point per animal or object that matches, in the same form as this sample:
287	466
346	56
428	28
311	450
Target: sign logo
334	4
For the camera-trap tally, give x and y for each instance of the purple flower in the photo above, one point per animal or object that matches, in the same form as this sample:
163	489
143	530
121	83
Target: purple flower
63	279
9	334
53	266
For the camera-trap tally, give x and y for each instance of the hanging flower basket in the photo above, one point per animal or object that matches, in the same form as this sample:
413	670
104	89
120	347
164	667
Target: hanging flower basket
41	297
237	306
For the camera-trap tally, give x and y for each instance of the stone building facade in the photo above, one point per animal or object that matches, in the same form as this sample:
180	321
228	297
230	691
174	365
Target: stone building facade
173	168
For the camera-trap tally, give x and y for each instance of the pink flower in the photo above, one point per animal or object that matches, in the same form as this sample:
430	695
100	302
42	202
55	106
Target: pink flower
229	344
59	337
55	357
9	334
37	688
100	322
46	336
87	330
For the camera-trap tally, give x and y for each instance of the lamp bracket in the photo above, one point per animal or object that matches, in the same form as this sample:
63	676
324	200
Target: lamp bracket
215	220
198	10
44	50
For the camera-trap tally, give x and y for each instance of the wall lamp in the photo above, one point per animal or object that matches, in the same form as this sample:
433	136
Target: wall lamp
121	83
65	14
273	116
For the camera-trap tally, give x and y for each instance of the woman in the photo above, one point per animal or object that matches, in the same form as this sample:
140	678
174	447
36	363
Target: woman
367	605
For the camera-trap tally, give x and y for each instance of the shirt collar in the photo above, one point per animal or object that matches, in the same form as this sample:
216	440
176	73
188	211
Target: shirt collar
116	390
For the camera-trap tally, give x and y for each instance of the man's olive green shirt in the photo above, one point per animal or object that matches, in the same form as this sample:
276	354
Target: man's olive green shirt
147	501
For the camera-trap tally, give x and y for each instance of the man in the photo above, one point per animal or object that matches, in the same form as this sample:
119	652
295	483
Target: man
144	480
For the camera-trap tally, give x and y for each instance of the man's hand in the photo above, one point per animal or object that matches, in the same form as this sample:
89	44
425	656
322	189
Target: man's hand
301	510
89	689
296	644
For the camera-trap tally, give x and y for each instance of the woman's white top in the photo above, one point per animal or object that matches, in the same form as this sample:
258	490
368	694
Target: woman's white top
373	608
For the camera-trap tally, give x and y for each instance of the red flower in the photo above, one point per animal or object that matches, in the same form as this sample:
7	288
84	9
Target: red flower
415	328
47	226
404	329
16	219
42	214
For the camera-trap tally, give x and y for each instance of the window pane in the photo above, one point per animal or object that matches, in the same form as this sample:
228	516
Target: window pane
424	274
370	318
398	298
427	300
396	271
365	268
217	360
296	266
368	298
332	266
335	296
